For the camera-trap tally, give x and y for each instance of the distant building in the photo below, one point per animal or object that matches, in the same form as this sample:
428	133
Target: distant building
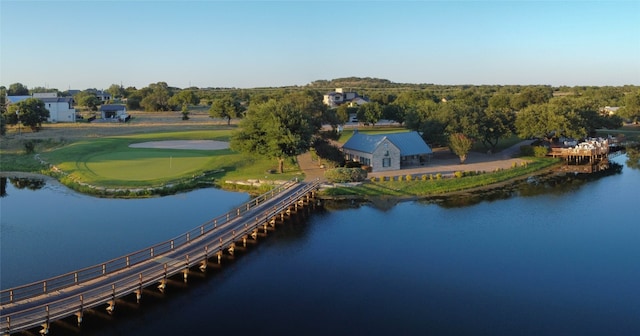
609	110
104	96
339	97
392	151
114	112
60	108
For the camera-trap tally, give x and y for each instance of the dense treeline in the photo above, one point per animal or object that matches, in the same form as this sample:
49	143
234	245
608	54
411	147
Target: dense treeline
484	113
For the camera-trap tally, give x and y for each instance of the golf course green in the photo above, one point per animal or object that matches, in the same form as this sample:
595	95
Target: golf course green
111	162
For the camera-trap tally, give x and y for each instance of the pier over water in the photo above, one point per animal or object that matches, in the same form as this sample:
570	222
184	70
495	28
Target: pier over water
38	304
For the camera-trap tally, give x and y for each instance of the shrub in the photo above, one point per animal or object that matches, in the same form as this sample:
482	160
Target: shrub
526	150
540	151
352	164
29	147
343	175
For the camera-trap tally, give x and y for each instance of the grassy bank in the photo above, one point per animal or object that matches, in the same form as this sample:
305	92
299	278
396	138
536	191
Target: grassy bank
107	166
438	186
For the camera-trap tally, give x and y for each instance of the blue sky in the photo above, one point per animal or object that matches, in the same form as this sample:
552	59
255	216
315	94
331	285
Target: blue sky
83	44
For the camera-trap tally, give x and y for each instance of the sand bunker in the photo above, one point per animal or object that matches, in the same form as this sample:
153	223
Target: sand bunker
183	144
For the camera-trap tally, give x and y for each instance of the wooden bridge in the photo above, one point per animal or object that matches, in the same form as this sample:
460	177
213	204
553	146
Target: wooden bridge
37	304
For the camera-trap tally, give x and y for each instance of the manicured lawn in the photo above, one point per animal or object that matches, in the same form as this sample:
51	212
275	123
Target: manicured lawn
146	165
110	162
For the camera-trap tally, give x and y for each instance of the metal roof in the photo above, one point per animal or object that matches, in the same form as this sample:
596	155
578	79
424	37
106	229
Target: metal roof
57	99
17	99
409	143
112	107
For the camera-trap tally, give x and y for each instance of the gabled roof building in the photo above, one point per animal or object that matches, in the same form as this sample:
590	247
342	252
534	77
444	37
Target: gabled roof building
60	108
392	151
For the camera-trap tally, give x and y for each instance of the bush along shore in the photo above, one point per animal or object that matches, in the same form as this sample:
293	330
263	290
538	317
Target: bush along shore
427	185
395	186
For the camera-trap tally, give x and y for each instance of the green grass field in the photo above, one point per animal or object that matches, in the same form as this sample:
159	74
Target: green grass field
110	162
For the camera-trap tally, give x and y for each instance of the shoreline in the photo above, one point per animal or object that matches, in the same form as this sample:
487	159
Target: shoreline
360	198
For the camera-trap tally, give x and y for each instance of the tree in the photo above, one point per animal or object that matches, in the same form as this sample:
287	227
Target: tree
88	99
460	145
116	91
495	124
3	124
531	95
370	113
631	108
393	112
633	156
278	129
158	98
428	118
31	113
549	121
184	98
342	113
40	89
133	99
226	107
17	89
461	117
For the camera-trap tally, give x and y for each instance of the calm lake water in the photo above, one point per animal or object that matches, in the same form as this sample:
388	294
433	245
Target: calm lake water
552	259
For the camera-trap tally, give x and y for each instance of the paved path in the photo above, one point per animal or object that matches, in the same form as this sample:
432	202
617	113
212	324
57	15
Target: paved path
443	162
310	168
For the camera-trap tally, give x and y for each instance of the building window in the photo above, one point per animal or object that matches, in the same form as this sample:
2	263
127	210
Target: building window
386	162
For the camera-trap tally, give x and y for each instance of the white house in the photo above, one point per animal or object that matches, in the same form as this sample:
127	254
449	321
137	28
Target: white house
391	151
60	108
339	97
609	110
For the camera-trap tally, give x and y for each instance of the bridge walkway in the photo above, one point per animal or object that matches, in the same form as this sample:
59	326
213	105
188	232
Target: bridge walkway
40	303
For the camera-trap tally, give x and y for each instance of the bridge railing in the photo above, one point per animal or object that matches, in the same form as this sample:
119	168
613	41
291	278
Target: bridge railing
152	274
56	283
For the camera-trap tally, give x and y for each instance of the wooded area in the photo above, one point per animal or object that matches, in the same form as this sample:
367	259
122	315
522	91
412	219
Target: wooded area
280	122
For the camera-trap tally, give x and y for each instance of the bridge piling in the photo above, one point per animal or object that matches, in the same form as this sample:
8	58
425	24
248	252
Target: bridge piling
80	310
186	269
112	303
45	325
127	272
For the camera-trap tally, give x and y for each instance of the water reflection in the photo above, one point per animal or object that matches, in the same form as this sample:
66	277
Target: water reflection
551	183
27	183
3	186
633	157
20	183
